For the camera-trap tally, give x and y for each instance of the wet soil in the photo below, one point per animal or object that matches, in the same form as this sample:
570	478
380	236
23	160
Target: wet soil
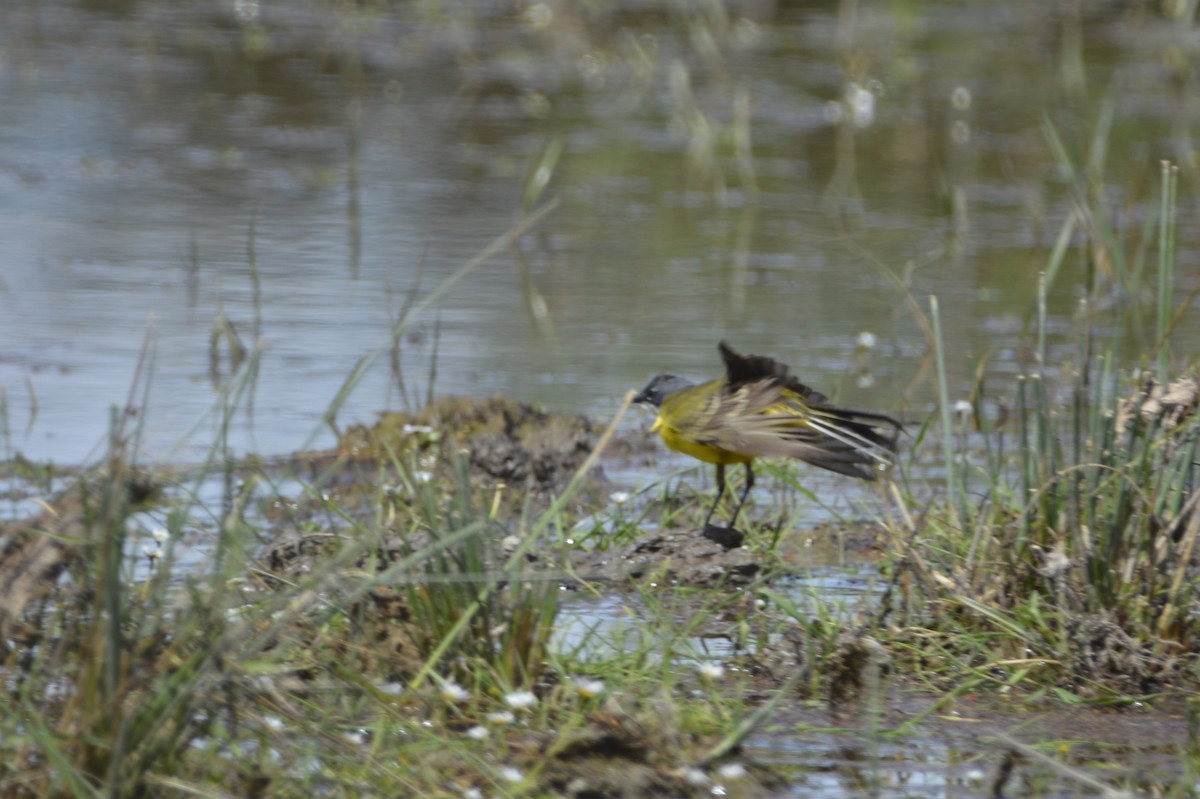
505	440
673	557
530	453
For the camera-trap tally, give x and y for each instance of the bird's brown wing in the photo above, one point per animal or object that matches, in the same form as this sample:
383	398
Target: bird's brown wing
765	418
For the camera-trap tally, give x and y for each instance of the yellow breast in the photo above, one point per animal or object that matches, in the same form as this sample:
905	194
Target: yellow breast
684	415
686	418
708	453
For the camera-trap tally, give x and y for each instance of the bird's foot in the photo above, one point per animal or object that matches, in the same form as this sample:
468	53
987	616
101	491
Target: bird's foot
725	536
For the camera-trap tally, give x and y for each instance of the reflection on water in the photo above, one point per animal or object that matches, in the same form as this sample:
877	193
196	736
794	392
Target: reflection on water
786	176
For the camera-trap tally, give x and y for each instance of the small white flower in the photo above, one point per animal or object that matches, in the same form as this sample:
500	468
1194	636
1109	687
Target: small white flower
866	340
731	771
409	429
422	476
478	732
519	700
589	688
159	534
510	774
619	497
963	407
394	688
710	670
471	792
357	737
975	776
246	10
152	552
273	723
694	776
501	717
860	103
453	692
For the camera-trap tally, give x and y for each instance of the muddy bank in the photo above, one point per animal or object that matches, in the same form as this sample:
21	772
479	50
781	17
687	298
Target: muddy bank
521	455
504	440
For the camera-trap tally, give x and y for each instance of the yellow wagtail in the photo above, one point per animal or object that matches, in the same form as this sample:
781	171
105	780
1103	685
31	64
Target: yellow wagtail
759	410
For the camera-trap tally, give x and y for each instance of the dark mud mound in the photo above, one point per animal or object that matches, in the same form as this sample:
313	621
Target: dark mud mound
852	665
1154	403
677	557
673	557
637	750
505	440
1102	652
417	465
684	556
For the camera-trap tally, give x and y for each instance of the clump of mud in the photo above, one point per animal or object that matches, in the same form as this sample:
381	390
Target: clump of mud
506	440
637	750
671	557
1101	652
453	445
855	664
1154	403
851	666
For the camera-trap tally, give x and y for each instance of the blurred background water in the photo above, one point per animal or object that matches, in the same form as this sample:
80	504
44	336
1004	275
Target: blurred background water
786	175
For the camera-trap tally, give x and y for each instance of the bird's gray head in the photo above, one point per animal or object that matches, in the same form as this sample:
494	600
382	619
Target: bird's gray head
660	387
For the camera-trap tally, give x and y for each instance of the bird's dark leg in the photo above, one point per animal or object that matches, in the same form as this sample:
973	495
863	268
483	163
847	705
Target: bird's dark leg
745	493
720	493
725	536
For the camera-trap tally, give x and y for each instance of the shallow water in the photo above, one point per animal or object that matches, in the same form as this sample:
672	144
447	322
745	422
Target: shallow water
958	752
749	172
875	745
598	627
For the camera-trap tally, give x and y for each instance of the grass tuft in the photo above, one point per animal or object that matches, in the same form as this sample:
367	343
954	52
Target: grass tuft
1077	551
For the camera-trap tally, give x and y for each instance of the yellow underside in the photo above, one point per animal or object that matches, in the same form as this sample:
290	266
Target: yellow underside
705	452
